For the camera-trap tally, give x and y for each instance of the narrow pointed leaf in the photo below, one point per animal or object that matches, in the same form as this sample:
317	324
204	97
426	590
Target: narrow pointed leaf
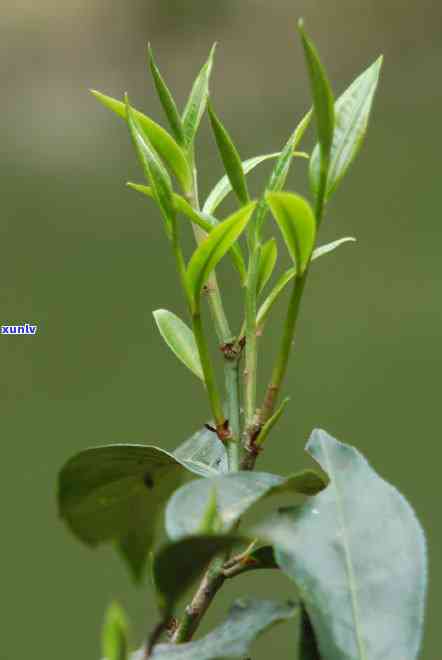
357	555
197	102
230	157
297	223
352	112
269	254
167	100
330	247
203	220
236	493
246	621
163	143
114	639
180	339
210	522
270	423
155	172
203	453
214	247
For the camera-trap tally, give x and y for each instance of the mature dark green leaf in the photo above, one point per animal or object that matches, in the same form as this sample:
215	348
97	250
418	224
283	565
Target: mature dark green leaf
203	220
167	100
352	112
357	555
214	247
247	620
308	648
177	565
155	172
203	454
197	102
230	157
117	492
288	275
236	493
297	222
114	638
163	143
180	339
269	254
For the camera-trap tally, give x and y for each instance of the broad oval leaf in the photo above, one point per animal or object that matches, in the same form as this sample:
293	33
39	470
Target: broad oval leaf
230	157
213	248
246	620
180	339
296	220
114	637
163	143
352	112
166	99
236	493
357	555
203	454
267	261
197	101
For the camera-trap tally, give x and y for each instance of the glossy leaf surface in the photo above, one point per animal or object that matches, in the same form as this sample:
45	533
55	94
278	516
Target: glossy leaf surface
197	101
357	555
166	99
297	223
236	493
163	143
180	339
214	247
352	112
269	254
114	638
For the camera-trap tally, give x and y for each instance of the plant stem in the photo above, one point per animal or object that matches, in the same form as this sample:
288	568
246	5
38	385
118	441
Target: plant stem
251	361
231	372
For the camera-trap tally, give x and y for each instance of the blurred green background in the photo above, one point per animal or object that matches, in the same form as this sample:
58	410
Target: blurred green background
87	260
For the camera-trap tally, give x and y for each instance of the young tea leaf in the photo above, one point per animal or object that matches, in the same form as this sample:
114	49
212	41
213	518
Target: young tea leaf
230	157
163	143
352	112
167	100
297	222
179	337
114	638
270	423
269	254
214	247
197	102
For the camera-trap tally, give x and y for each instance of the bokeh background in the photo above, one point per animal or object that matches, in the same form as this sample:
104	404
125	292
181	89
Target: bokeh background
87	260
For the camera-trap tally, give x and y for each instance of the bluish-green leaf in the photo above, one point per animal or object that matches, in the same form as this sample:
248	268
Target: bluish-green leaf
163	143
246	620
167	100
269	254
180	339
197	101
357	555
213	248
155	172
230	157
114	638
352	112
236	493
203	453
297	222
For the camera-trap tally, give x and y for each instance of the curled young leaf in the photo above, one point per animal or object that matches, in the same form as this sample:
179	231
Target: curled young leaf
114	638
167	100
163	143
197	101
297	222
180	339
269	253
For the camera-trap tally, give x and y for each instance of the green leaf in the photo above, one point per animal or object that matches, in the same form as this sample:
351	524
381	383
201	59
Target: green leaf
289	274
116	493
114	639
213	248
230	157
203	454
297	223
178	565
322	97
163	143
269	254
308	648
180	339
197	102
270	423
236	493
203	220
210	522
357	555
247	620
154	171
352	112
167	100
